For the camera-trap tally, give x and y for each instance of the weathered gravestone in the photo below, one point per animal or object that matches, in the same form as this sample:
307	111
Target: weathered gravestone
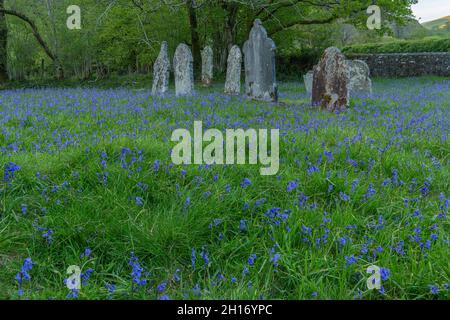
161	71
331	81
259	59
308	80
183	70
234	67
207	66
360	82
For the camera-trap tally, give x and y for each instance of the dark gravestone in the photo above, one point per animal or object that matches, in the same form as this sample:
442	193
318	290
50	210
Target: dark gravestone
331	81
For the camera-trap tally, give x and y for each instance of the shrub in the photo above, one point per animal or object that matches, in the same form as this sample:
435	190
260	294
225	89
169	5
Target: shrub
407	46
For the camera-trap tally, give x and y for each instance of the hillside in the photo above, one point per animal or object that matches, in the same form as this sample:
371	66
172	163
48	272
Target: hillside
438	25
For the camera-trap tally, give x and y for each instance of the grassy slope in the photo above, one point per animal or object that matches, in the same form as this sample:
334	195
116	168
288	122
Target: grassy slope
403	127
435	24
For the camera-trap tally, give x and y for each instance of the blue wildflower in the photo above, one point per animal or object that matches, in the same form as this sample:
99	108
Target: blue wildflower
161	287
139	201
86	275
87	252
382	291
243	225
176	276
355	184
291	186
351	260
23	274
204	256
10	169
251	259
275	258
245	183
434	289
193	258
385	273
136	271
111	288
73	294
343	196
197	290
187	202
245	271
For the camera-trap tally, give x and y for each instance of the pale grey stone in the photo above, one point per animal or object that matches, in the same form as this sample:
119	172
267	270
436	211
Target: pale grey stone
183	70
308	80
259	59
161	71
331	81
207	66
360	82
234	68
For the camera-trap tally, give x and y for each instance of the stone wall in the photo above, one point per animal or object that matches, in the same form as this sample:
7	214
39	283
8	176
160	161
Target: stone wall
406	64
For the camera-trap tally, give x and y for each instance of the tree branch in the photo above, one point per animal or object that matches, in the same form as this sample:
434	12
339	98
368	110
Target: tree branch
302	22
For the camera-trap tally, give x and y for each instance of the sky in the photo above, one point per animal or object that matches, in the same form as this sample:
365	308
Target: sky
429	10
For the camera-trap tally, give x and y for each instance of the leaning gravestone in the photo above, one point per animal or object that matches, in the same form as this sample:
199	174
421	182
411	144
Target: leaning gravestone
308	80
360	82
207	66
331	81
259	58
161	72
183	70
234	67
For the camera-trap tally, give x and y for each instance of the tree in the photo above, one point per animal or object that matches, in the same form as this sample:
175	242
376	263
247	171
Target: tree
120	36
195	38
40	40
237	17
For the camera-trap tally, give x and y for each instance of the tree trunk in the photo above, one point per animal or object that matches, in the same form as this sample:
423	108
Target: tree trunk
226	38
3	45
59	70
195	38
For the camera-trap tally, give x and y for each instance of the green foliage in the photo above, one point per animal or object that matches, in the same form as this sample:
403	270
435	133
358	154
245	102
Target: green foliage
123	36
425	45
58	138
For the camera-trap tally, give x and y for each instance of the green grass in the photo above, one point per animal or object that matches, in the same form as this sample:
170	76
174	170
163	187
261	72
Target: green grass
403	127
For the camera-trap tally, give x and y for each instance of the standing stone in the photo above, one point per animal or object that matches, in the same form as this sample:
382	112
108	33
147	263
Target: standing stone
331	81
308	80
360	82
207	66
161	72
183	70
234	67
259	59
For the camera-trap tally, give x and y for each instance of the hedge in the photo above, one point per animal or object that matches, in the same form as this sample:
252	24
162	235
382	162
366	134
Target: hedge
406	46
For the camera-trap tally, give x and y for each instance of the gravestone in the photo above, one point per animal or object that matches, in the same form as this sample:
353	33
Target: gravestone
161	71
183	70
360	82
331	81
308	80
207	66
234	68
259	59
